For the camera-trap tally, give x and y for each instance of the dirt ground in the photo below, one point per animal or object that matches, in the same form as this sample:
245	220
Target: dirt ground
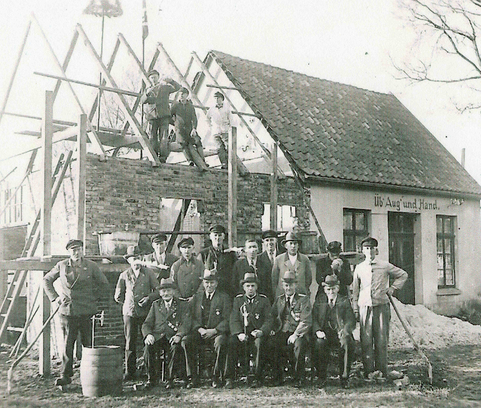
456	384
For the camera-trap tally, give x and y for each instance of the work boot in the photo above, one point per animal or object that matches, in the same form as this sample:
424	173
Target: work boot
63	381
229	384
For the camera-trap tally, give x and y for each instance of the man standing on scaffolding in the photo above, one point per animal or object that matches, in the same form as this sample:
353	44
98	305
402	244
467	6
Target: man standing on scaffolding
158	112
81	287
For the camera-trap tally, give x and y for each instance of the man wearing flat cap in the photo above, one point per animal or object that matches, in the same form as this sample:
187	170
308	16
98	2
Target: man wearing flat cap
292	317
160	260
332	324
211	311
166	327
157	113
82	285
292	261
250	326
333	264
187	271
217	257
371	287
137	288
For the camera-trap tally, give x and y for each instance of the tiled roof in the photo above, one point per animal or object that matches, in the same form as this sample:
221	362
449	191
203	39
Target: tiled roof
344	133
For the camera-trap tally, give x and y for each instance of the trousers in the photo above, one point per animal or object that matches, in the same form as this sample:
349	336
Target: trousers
71	326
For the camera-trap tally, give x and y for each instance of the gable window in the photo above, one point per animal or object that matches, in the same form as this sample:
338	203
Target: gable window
445	227
355	229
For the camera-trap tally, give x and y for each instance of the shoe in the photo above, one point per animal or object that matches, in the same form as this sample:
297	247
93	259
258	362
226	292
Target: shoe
63	381
216	384
128	377
344	382
229	384
169	385
150	384
256	383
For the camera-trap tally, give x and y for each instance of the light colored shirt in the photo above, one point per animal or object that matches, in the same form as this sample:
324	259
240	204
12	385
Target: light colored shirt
220	119
292	259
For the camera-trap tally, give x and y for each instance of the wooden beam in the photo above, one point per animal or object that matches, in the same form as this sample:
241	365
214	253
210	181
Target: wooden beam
66	62
273	201
46	220
232	189
143	139
223	87
81	176
131	52
10	172
22	115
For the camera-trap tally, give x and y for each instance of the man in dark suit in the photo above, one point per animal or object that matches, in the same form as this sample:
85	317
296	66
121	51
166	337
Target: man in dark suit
167	327
160	260
217	257
250	325
211	311
292	322
332	324
253	264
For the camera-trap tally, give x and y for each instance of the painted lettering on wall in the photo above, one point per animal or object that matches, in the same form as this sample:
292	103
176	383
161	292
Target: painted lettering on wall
400	203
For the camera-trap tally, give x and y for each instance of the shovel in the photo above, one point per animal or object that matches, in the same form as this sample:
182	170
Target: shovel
416	345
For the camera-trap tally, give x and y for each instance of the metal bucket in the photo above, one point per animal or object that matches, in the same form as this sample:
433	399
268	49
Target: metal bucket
116	243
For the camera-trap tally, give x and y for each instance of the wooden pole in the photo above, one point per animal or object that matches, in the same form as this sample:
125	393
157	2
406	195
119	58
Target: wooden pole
273	201
232	189
81	176
46	225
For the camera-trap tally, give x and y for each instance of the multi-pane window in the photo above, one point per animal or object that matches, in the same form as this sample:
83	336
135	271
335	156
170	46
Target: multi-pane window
445	227
11	206
355	229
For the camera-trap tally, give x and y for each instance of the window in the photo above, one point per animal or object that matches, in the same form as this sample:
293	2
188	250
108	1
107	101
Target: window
13	213
286	217
445	227
355	229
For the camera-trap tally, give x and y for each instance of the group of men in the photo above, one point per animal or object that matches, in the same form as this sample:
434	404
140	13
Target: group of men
255	307
181	114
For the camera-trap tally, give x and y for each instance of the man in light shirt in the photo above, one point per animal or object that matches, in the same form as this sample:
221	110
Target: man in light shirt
371	304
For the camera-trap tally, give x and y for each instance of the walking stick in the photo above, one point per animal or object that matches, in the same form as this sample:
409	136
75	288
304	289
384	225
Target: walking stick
416	345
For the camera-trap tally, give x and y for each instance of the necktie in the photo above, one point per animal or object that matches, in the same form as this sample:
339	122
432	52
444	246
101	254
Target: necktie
331	303
288	303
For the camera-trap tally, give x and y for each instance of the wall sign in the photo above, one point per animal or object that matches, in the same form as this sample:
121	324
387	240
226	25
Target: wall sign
400	203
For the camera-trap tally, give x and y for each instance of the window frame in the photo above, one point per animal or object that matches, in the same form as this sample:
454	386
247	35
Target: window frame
353	232
443	236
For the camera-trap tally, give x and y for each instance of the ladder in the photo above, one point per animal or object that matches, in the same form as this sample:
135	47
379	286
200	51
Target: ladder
31	244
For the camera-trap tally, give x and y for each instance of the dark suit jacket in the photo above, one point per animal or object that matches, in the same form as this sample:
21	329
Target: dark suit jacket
323	268
169	261
300	318
224	265
219	313
258	314
342	312
159	321
263	272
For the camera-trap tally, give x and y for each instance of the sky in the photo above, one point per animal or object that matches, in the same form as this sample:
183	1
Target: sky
344	41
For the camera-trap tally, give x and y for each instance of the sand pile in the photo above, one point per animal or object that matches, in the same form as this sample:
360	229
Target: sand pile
429	329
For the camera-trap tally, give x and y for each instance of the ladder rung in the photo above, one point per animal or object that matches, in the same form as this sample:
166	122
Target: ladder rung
17	329
3	315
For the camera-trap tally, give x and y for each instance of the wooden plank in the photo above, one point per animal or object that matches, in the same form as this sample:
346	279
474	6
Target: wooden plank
66	61
273	201
81	176
143	139
232	189
223	87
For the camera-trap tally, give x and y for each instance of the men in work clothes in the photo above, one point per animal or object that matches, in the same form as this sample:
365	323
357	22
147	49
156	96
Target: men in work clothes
158	111
250	325
185	123
332	324
166	327
211	312
252	263
81	287
217	257
269	254
292	323
293	261
137	288
160	260
187	271
371	304
333	264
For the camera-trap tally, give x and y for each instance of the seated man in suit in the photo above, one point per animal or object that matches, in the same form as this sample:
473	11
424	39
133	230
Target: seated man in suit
292	322
167	327
250	324
160	260
211	311
332	324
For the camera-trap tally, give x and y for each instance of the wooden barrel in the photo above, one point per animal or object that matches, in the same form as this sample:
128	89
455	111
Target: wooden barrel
101	371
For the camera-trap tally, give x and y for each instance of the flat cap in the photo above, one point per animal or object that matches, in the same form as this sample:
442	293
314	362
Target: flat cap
185	242
269	234
158	238
219	95
74	243
370	242
334	247
217	228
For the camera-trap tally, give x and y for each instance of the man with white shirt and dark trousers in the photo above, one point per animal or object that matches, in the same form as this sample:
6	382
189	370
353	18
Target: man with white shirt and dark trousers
371	286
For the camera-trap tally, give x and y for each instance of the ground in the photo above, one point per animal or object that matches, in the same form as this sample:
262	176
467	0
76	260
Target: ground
456	384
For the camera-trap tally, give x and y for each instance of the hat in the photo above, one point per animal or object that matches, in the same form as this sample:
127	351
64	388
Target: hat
132	250
249	278
289	277
185	242
291	236
166	283
158	238
183	90
330	281
209	275
269	234
74	243
370	242
334	247
217	228
219	95
153	72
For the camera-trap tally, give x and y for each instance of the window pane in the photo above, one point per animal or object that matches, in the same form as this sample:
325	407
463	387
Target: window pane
440	277
440	245
449	277
440	263
349	243
448	225
360	221
347	220
447	245
439	225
